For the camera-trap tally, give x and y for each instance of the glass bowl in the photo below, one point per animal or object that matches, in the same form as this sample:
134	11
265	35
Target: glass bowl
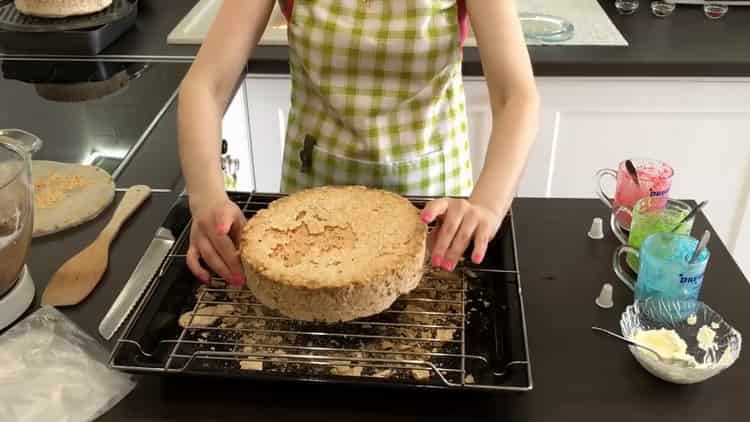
546	28
691	321
715	11
662	9
626	7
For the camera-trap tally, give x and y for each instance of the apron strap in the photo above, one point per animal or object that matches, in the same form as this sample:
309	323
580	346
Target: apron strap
286	8
463	23
288	5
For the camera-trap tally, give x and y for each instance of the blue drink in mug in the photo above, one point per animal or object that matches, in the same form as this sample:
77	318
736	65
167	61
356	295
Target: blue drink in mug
664	268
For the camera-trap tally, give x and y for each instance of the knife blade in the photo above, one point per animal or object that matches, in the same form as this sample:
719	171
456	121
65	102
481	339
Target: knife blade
136	285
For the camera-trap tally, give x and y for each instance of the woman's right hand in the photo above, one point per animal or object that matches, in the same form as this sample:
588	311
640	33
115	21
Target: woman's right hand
214	236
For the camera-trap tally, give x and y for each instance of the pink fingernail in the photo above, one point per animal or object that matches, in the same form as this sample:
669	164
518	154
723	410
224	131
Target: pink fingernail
204	279
437	261
237	279
477	258
426	217
222	228
449	265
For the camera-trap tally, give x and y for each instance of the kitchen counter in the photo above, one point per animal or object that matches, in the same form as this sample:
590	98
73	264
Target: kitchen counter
685	44
104	130
578	375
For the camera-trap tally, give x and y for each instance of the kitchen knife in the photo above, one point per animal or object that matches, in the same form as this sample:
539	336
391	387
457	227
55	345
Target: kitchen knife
136	285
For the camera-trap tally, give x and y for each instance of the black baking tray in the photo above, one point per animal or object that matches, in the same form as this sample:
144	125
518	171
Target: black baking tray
496	332
88	34
13	20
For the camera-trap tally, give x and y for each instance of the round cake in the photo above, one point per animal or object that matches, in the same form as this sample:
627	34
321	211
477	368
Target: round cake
60	8
334	253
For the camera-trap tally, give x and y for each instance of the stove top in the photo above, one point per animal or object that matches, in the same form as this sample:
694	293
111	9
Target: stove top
89	112
463	330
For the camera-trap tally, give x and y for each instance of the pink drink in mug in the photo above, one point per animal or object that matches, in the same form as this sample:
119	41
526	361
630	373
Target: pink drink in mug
654	180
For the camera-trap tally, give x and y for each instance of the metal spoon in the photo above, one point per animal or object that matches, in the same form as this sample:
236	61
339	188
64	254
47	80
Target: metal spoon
628	341
632	172
701	246
690	215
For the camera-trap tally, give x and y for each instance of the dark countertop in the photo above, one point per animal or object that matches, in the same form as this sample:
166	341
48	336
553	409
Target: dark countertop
684	44
148	166
102	130
577	374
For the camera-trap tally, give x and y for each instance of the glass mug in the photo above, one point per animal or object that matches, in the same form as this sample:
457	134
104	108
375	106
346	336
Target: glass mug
654	180
664	270
651	215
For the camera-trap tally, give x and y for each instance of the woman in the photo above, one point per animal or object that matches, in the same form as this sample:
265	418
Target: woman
377	99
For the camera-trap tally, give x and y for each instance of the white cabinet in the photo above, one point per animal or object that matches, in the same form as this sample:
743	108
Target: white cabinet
236	131
479	113
268	100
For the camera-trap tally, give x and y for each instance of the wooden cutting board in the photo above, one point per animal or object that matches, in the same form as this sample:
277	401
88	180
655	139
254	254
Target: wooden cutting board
68	195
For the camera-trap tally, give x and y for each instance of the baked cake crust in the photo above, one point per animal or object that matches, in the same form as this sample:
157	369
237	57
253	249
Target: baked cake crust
334	253
61	8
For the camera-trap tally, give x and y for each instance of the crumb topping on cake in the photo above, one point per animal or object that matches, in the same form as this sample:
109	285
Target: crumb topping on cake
333	236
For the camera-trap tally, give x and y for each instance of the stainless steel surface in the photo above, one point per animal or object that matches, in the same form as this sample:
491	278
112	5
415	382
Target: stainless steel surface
701	246
523	310
411	336
406	337
632	172
235	169
137	284
690	215
628	341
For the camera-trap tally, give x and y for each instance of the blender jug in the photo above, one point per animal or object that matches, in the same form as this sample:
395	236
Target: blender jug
16	203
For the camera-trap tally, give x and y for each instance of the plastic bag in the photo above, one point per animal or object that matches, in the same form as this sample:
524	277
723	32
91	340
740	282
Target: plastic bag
50	370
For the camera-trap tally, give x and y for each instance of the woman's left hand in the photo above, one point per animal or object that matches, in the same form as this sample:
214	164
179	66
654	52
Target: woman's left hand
459	221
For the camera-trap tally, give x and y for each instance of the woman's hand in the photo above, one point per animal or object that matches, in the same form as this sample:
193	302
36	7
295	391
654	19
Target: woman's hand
458	222
205	93
213	238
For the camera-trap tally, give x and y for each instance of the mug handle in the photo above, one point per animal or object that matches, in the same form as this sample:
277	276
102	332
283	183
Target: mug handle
615	226
600	192
617	265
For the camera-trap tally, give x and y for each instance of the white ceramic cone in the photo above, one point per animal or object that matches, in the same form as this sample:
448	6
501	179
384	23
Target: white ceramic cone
605	297
596	231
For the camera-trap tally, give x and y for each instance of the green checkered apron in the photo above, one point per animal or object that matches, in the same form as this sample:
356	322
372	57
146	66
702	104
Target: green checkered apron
377	97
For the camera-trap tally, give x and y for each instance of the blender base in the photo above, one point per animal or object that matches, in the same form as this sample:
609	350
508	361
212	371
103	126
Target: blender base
16	301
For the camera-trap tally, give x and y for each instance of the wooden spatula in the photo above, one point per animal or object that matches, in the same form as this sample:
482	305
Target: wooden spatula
80	274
